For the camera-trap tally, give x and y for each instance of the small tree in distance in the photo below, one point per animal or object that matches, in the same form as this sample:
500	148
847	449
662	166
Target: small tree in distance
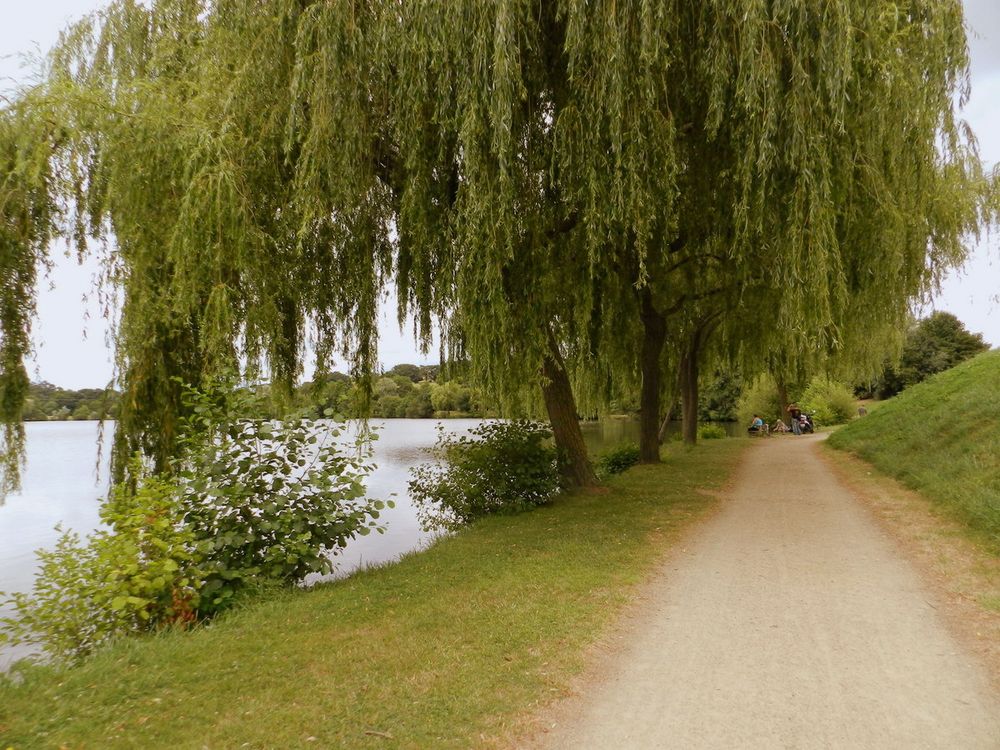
934	344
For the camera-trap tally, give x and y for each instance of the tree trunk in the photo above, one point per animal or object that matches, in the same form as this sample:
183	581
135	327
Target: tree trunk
561	407
689	392
782	399
654	334
690	362
668	416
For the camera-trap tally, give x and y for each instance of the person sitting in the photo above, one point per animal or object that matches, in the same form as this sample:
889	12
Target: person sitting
757	426
779	426
794	416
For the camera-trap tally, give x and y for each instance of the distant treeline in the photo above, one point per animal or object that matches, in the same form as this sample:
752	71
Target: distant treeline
936	343
409	391
421	391
50	402
405	391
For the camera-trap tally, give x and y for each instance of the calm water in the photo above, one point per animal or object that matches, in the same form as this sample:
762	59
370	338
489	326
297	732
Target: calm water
62	485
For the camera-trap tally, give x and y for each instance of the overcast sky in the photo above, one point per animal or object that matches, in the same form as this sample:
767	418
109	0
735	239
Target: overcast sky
70	333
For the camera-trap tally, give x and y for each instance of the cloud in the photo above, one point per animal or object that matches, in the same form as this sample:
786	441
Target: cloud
983	20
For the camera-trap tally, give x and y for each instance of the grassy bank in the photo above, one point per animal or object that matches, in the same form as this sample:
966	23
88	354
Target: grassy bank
942	438
445	649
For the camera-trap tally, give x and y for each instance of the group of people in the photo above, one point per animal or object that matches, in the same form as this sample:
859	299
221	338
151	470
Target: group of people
799	422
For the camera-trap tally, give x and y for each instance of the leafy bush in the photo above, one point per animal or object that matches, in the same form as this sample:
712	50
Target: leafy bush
270	500
718	398
934	344
761	398
711	432
140	575
618	459
253	503
828	401
499	468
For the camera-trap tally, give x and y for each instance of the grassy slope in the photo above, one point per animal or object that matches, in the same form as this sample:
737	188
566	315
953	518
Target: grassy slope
440	650
942	438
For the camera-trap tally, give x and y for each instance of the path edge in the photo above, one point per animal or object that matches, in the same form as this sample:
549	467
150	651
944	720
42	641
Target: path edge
530	731
953	569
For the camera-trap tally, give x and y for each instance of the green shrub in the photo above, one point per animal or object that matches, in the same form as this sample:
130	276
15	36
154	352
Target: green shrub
761	398
828	401
141	574
273	501
711	432
499	468
618	459
254	503
268	501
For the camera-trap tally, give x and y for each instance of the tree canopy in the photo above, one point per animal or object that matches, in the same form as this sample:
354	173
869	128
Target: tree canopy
937	343
575	192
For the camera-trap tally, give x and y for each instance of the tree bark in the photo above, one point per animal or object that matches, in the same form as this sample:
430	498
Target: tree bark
654	334
690	364
782	399
561	407
671	403
690	361
689	392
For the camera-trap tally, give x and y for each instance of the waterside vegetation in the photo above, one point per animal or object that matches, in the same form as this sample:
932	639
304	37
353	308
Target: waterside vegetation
251	504
447	648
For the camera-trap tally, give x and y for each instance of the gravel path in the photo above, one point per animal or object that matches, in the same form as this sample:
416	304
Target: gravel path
789	621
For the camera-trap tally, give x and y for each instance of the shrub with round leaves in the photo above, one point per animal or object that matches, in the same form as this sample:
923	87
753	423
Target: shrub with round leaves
501	467
273	501
140	574
828	401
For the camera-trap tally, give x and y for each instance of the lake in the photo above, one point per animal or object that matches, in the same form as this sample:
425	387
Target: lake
62	485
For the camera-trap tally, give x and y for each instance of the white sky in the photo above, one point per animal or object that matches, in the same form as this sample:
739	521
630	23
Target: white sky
70	332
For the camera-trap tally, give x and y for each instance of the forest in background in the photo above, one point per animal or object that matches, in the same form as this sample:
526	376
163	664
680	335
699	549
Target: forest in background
406	391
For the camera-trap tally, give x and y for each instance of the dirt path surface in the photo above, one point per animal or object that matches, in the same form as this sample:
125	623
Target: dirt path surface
789	621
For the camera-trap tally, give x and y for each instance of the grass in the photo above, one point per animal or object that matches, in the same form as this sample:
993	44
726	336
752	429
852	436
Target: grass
942	438
448	648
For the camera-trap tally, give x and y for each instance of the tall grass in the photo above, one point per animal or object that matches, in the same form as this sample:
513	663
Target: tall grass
942	438
440	650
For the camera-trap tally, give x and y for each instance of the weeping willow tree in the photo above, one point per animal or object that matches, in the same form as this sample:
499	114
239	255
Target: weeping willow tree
573	191
173	151
456	121
822	184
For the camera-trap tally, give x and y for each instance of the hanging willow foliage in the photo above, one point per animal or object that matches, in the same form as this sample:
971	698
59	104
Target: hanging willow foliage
27	218
529	175
780	165
178	118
